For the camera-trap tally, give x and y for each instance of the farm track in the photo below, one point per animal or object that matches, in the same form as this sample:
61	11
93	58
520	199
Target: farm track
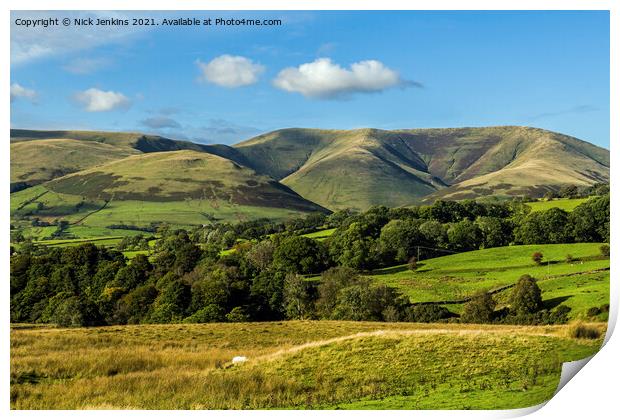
391	334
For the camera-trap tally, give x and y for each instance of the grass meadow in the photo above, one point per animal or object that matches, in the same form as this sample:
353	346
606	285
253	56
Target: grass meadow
579	284
293	364
567	204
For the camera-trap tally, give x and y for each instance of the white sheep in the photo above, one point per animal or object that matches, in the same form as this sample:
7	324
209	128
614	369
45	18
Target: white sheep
239	359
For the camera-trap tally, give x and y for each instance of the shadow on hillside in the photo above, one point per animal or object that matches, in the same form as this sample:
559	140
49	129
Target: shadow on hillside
391	270
552	303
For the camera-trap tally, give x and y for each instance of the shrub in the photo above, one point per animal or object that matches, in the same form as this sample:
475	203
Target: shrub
237	315
605	250
427	313
537	257
605	307
594	311
583	331
210	313
569	258
526	296
479	309
413	264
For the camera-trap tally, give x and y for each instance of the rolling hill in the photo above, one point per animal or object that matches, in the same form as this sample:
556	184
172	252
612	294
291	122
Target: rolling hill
39	156
361	168
37	161
71	174
182	188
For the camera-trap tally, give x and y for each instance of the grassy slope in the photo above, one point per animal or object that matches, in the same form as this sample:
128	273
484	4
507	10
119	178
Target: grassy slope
181	188
567	204
38	161
340	169
459	276
320	364
325	165
529	161
320	235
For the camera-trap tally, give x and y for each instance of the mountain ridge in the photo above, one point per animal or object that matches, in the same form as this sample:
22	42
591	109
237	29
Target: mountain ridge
364	167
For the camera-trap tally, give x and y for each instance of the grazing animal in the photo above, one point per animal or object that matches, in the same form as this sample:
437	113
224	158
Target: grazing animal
239	359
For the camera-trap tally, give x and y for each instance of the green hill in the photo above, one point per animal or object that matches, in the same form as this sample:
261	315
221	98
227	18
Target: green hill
182	188
333	168
39	156
579	284
361	168
37	161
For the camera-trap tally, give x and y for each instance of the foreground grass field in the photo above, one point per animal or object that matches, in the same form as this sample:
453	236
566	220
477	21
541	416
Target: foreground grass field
297	364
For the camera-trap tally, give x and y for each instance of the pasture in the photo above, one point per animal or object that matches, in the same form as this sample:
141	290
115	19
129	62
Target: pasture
579	284
567	204
294	364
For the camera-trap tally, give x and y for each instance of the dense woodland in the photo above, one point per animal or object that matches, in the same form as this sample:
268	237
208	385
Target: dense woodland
188	277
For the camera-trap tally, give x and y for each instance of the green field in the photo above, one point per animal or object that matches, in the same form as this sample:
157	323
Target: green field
295	364
89	218
567	204
459	276
320	235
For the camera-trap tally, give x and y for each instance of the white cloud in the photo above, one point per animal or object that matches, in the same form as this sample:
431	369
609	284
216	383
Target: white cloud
324	79
95	100
230	71
87	65
29	44
18	91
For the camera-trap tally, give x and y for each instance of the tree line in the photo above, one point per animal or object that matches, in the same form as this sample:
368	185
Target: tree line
263	275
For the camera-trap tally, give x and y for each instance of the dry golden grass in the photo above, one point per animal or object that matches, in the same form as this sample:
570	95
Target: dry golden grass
318	364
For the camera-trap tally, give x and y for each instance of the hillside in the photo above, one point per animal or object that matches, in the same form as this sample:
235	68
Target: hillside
361	168
579	284
339	169
181	188
37	161
39	156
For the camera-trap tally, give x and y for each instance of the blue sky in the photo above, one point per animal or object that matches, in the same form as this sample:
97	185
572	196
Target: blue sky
318	69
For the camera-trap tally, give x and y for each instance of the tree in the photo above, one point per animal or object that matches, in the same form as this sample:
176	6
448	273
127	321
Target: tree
210	313
133	307
427	313
605	250
435	233
68	310
548	227
171	304
354	247
365	302
464	236
298	302
298	254
413	264
495	231
399	237
447	211
237	314
526	296
479	309
261	254
537	257
266	296
332	281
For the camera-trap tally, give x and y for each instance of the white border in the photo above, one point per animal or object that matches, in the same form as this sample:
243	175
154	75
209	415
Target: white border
592	395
